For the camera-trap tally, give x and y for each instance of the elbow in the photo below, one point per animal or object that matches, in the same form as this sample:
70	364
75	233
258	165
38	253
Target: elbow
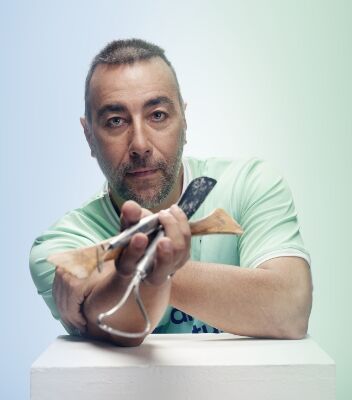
293	324
293	330
293	319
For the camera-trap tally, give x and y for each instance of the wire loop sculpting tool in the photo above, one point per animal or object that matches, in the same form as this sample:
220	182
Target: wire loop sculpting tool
140	274
190	201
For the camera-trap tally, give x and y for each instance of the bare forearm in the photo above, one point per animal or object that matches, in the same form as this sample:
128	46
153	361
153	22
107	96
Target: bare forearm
107	292
80	301
250	302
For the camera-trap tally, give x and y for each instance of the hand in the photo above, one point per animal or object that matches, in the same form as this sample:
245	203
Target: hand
172	251
69	294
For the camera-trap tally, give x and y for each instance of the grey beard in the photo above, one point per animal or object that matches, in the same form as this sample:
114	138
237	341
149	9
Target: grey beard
169	174
167	183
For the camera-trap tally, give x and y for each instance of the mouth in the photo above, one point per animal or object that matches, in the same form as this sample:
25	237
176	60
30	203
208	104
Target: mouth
142	172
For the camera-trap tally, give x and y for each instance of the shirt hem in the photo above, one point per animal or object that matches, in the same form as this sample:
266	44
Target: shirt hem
289	252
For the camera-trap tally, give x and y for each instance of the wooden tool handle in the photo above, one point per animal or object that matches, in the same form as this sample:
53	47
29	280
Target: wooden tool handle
216	222
81	262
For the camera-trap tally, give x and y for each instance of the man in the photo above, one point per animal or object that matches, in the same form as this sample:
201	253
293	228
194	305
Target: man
256	285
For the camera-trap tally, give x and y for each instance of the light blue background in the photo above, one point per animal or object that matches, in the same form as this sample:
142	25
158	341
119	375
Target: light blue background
267	78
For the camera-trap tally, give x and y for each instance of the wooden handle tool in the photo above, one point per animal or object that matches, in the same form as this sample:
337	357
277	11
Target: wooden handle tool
82	261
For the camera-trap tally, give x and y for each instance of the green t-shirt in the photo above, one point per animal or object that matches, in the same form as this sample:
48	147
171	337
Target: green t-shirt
252	191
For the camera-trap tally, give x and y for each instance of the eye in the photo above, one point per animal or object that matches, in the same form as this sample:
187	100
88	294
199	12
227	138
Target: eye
115	122
158	116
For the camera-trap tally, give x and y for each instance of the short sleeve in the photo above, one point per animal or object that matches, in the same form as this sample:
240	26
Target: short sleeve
267	215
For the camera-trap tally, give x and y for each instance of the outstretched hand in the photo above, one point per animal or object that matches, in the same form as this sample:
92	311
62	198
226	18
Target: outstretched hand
172	250
172	253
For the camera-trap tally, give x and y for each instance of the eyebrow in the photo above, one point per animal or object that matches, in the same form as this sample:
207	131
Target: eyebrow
117	107
157	101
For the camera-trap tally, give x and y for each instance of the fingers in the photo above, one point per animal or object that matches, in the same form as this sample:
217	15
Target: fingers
69	294
164	263
126	264
174	249
131	213
177	228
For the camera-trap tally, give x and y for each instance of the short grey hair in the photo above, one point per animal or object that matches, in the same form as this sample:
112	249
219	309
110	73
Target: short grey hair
127	51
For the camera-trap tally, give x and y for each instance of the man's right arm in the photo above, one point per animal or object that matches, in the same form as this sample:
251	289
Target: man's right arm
101	291
79	303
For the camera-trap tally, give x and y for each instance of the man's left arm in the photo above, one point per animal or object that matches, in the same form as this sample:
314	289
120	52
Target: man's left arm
273	300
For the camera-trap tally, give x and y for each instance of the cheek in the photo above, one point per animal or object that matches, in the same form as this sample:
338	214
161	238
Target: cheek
113	152
169	142
165	149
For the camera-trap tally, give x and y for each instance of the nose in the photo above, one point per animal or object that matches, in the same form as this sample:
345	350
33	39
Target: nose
140	145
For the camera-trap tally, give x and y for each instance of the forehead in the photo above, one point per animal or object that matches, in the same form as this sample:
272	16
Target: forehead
132	83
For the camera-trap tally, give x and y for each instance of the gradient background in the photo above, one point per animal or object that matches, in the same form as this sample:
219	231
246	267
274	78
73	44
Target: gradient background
266	78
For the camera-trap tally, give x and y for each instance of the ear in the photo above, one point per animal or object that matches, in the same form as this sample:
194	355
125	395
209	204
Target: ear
88	134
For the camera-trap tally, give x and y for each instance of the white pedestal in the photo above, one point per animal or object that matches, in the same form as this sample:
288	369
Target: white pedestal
184	366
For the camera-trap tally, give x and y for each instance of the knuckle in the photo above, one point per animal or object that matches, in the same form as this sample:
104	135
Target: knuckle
180	247
131	203
65	278
128	260
70	283
178	213
164	254
132	254
187	234
181	213
145	212
166	216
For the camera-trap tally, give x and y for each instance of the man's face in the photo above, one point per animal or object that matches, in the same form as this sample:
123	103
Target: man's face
137	129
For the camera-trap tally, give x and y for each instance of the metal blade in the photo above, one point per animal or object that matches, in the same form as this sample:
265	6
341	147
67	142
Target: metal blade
190	201
195	194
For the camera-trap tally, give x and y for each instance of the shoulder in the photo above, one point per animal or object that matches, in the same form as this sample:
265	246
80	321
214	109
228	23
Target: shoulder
213	167
237	171
240	182
91	222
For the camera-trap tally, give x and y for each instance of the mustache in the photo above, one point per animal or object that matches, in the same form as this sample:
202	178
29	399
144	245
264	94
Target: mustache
142	163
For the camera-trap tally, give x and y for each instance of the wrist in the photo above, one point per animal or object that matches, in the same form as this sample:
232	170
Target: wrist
150	281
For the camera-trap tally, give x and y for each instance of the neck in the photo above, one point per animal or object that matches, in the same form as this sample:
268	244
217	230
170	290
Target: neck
171	199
